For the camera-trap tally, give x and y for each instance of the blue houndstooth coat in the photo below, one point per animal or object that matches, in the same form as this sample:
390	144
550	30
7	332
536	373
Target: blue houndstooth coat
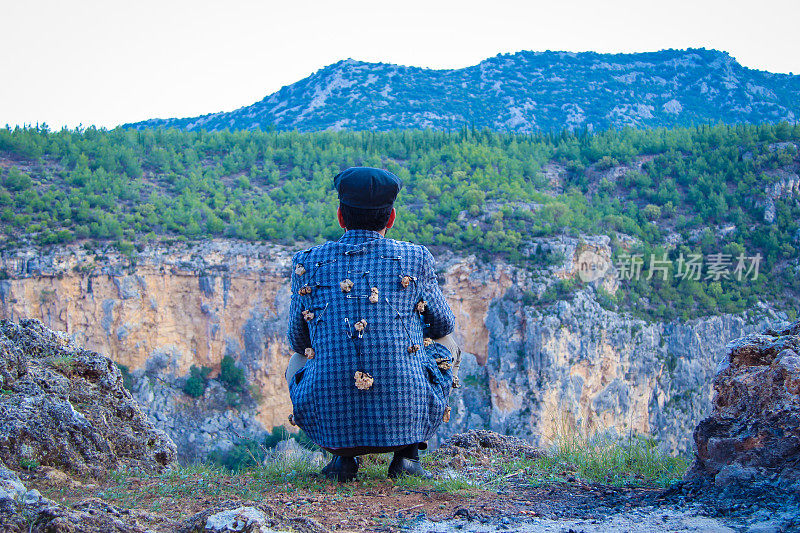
336	285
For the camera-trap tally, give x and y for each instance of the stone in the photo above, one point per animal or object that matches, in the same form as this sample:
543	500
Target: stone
244	519
485	440
21	508
31	497
69	409
292	451
92	515
752	437
13	363
10	485
232	516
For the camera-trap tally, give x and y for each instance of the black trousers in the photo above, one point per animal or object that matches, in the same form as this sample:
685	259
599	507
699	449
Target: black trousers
364	450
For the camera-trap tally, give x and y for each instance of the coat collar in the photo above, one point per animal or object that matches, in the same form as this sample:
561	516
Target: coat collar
357	236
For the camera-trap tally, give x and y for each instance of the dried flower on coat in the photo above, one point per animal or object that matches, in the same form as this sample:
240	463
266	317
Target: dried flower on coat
363	380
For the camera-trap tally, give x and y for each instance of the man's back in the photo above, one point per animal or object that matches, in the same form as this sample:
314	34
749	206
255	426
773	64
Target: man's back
368	304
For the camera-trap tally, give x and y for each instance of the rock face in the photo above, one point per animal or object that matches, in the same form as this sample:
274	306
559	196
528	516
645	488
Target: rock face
575	366
197	425
753	434
64	406
162	311
530	369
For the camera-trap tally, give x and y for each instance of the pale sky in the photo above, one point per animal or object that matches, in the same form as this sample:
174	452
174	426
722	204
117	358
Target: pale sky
107	62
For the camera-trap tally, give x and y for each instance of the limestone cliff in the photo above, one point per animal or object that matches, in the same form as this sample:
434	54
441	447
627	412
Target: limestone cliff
530	368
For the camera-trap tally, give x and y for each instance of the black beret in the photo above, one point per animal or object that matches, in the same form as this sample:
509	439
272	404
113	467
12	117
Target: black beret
367	188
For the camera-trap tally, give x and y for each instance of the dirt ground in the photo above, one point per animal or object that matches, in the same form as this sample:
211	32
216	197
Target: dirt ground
485	483
381	505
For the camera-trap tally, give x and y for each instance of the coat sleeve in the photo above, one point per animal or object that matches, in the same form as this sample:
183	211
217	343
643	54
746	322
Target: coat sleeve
298	335
438	316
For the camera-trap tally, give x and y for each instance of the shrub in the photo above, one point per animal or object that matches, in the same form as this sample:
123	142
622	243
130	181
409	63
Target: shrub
127	379
606	162
231	375
195	384
248	453
651	212
16	180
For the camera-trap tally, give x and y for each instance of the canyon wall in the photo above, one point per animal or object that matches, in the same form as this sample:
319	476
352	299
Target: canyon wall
530	369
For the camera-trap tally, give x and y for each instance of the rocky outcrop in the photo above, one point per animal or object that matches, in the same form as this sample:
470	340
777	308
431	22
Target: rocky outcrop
530	368
64	406
752	437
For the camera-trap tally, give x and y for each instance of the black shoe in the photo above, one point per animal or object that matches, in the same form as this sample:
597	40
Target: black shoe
404	466
341	469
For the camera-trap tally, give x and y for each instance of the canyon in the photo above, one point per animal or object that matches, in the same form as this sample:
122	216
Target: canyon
533	368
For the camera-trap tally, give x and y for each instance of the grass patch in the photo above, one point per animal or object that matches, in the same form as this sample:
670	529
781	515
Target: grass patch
64	363
632	461
456	486
28	464
279	473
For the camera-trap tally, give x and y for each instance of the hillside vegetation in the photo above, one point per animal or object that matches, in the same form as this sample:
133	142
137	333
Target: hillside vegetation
720	189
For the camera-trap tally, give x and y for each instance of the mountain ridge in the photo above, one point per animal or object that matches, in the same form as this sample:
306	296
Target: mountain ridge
524	92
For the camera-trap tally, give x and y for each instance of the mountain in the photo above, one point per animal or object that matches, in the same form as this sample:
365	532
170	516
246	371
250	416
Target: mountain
522	92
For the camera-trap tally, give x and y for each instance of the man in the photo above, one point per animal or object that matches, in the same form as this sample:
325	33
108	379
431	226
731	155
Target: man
367	376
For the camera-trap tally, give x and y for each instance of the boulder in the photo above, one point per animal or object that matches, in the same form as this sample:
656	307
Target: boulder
482	440
233	516
752	437
65	407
